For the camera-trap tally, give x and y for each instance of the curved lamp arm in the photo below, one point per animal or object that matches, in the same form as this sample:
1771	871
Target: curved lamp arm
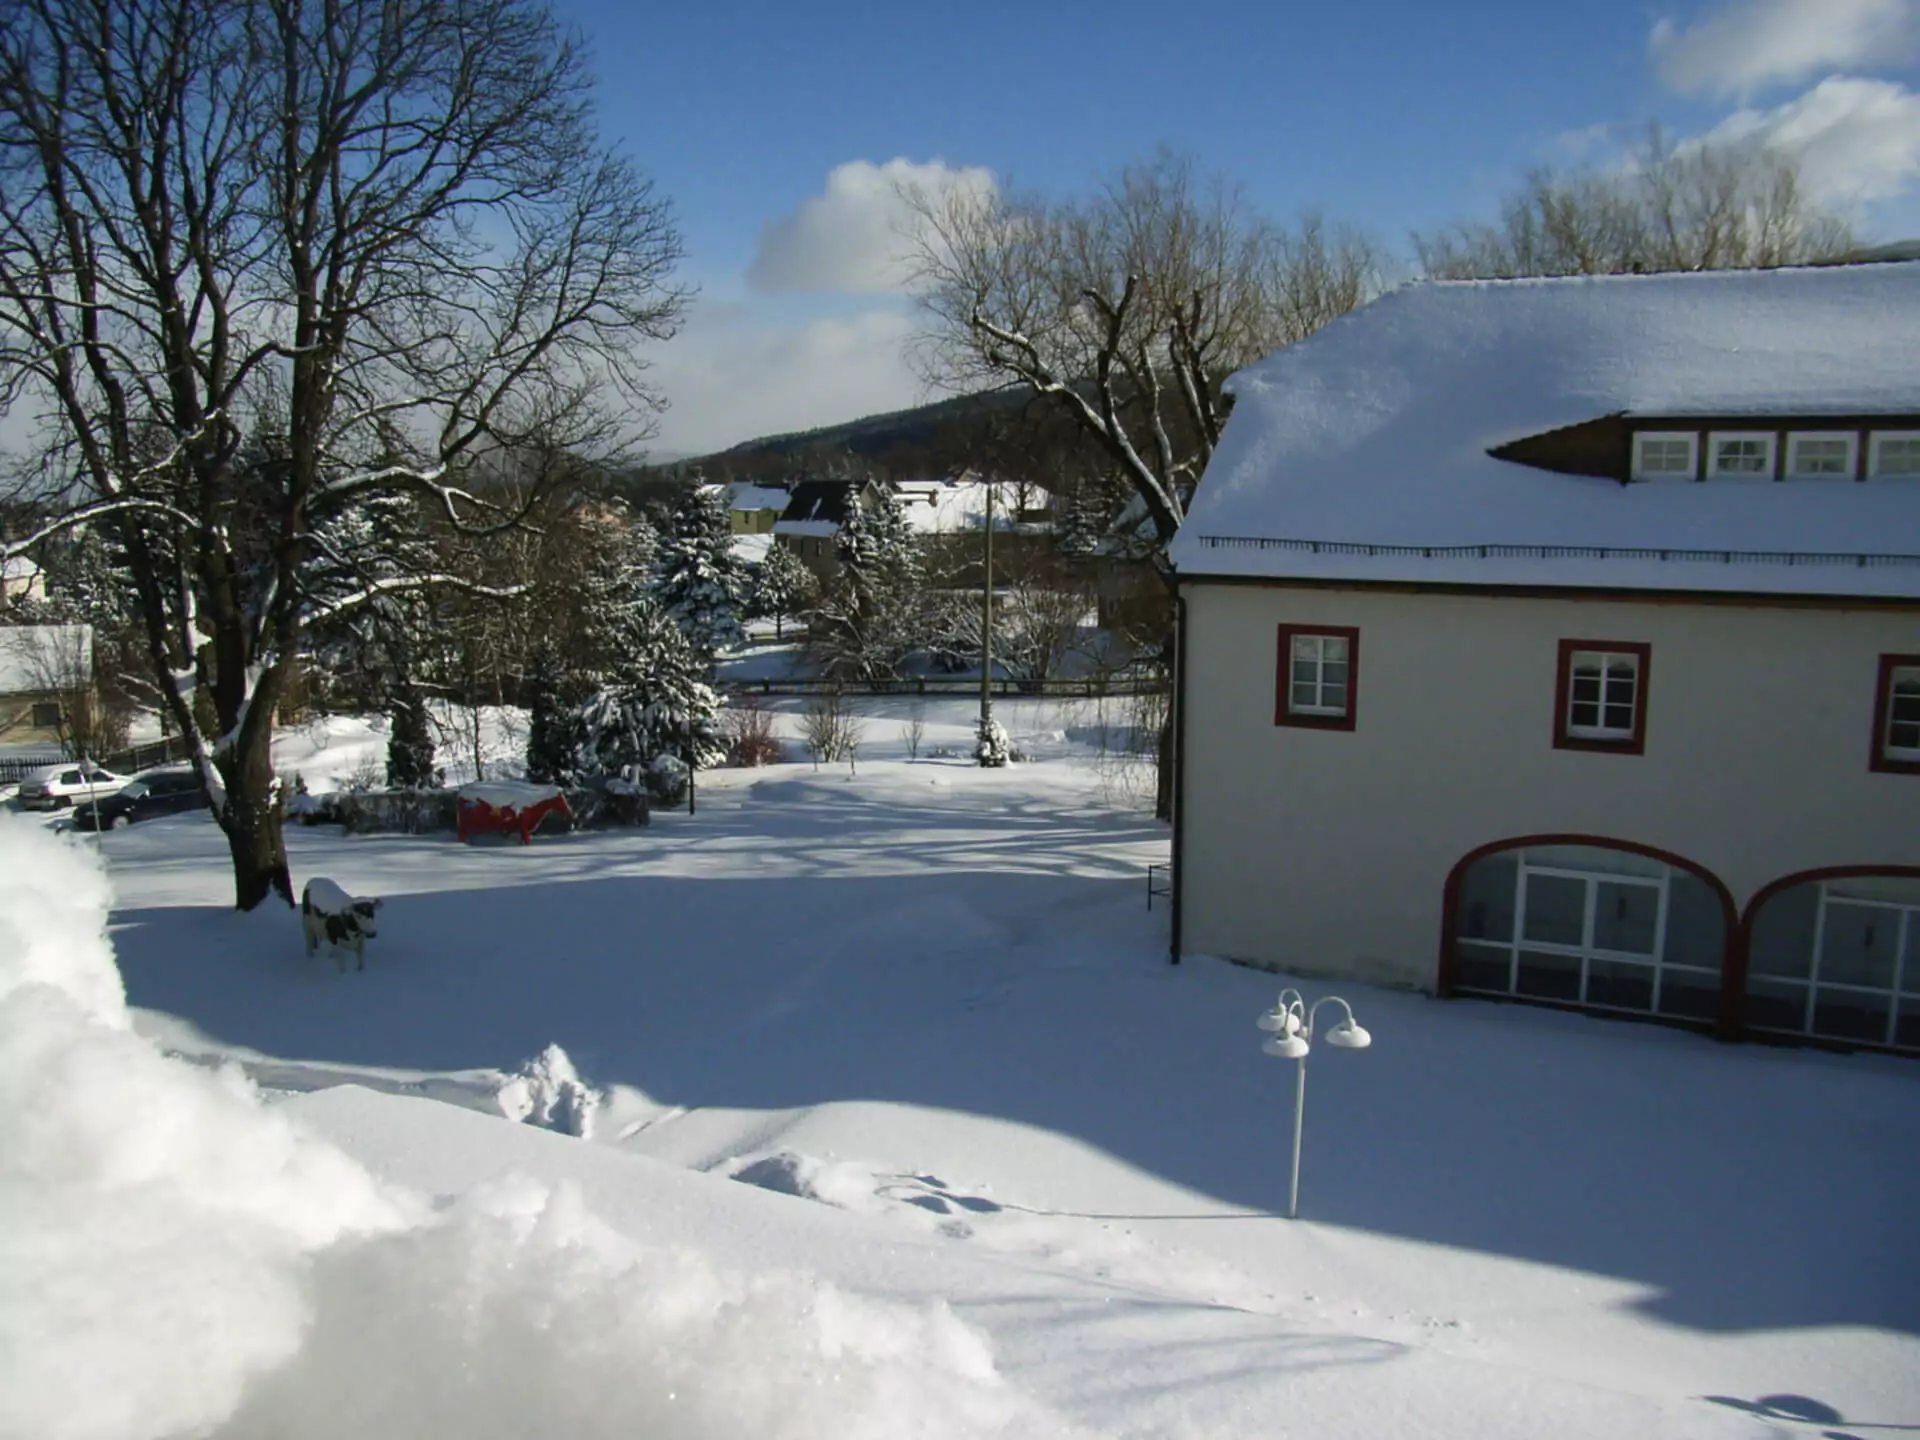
1348	1034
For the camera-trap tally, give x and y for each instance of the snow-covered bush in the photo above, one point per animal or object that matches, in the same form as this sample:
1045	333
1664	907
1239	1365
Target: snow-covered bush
991	747
748	728
667	779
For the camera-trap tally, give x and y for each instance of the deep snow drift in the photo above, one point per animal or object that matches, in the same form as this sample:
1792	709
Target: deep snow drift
901	1125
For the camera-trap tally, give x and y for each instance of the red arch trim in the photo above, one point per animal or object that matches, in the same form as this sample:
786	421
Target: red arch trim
1736	977
1733	955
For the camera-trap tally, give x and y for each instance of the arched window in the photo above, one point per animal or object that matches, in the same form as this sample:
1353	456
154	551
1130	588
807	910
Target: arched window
1837	956
1582	922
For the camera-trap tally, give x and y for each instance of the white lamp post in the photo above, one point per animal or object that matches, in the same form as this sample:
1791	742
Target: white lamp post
1290	1024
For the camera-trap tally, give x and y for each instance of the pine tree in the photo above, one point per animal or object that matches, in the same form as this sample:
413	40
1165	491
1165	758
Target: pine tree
410	746
698	579
553	739
872	616
612	589
782	586
656	703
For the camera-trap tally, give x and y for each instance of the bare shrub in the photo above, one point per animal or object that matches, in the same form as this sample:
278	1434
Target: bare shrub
914	731
832	732
746	729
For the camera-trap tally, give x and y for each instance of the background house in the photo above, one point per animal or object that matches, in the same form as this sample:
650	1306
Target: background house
1560	640
46	682
815	511
754	508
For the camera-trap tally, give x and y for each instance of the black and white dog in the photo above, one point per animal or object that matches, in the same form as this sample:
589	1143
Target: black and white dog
344	921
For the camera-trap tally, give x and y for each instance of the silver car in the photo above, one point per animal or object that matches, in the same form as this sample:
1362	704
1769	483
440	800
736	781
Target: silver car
54	787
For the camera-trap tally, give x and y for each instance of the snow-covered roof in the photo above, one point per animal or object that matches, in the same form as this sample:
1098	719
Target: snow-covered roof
752	548
1361	453
941	507
36	658
748	496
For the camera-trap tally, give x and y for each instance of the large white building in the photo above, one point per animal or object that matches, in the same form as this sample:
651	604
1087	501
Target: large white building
1560	640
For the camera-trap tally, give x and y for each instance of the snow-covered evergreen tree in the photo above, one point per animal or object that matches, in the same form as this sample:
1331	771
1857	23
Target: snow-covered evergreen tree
553	739
613	587
698	579
872	615
782	586
656	703
410	744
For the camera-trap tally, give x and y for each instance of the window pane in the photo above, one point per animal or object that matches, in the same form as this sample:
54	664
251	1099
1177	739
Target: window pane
1910	972
1625	917
1305	672
1619	689
1776	1005
1906	1032
1332	648
1620	718
1594	858
1696	925
1628	986
1850	1015
1783	933
1482	967
1897	457
1556	910
1690	994
1821	457
1333	697
1304	697
1306	647
1548	977
1740	457
1857	944
1334	672
1486	898
1582	715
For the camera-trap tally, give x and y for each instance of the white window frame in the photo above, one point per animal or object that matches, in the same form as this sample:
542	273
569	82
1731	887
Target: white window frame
1887	748
1610	660
1640	439
1879	438
1849	467
1766	438
1319	709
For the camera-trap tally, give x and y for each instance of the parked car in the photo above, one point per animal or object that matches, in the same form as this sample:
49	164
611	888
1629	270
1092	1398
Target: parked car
54	787
159	792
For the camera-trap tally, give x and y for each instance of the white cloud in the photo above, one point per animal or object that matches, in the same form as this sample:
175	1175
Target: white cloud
737	373
1857	141
854	237
1749	44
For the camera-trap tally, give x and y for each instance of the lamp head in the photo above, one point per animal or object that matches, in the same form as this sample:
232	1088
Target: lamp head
1348	1036
1280	1022
1289	1046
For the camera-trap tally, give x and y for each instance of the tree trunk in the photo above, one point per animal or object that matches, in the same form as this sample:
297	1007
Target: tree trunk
252	822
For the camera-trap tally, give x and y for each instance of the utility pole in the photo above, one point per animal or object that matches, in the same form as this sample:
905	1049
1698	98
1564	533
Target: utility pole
986	624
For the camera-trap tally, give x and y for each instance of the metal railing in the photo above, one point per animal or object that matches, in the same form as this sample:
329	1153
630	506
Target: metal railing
1091	688
1558	552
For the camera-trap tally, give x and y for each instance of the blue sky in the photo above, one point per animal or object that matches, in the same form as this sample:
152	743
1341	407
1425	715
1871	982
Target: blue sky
767	125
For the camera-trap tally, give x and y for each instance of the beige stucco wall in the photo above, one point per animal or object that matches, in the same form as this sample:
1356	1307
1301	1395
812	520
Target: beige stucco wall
1327	851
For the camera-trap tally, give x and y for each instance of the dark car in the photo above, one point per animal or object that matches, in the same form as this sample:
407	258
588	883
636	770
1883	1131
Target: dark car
162	792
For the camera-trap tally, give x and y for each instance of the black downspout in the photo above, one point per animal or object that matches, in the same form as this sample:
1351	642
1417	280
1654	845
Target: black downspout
1179	762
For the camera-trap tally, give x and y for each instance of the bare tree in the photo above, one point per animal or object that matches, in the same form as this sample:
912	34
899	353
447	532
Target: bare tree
1128	309
1694	207
261	259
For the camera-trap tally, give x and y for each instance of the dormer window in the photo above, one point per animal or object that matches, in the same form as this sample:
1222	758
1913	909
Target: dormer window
1894	453
1664	455
1821	455
1740	455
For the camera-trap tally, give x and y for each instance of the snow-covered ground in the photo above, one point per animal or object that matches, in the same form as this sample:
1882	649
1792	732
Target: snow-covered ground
899	1125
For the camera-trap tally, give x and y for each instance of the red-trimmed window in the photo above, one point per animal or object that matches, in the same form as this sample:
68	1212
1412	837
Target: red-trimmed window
1600	699
1319	673
1896	715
